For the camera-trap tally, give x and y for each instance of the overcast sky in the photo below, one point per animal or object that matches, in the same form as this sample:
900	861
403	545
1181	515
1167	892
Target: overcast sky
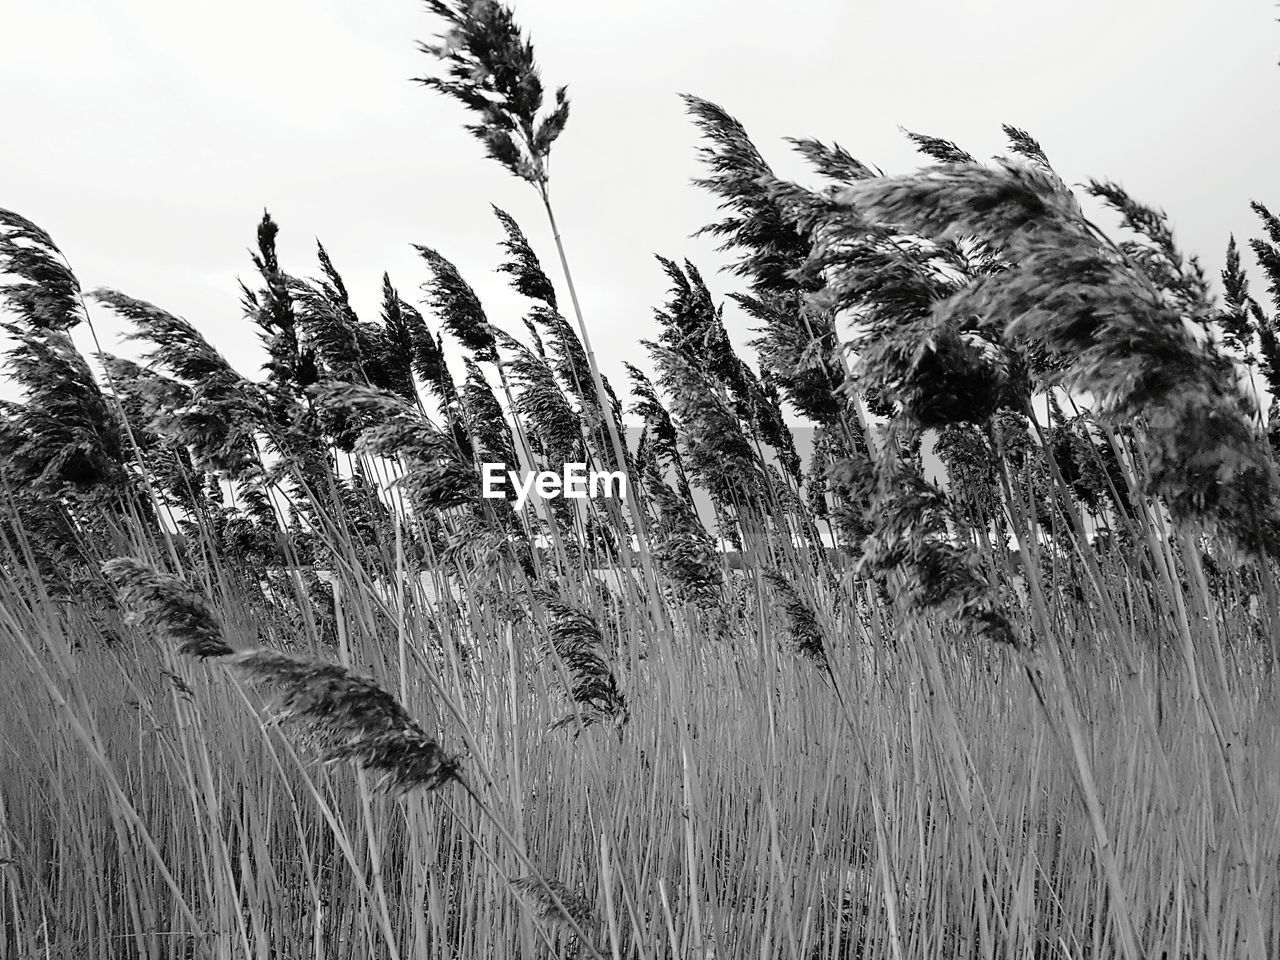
148	135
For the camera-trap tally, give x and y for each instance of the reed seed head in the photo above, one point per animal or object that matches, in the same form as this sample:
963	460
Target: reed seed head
169	606
350	717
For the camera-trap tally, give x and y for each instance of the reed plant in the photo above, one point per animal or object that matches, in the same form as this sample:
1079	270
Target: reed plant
989	674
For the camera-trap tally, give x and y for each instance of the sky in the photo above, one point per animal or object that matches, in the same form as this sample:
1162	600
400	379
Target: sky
148	136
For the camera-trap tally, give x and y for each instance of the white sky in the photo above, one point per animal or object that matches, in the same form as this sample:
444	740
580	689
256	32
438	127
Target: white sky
148	135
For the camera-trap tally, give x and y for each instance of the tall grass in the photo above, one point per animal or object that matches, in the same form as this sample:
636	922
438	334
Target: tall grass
278	681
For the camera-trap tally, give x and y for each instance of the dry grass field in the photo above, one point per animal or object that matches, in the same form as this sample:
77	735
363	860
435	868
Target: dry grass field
277	681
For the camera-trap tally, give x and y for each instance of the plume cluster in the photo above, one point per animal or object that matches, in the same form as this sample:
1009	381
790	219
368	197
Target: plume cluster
1108	325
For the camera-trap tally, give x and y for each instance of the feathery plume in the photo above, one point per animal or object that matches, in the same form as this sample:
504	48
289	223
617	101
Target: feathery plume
1268	251
684	550
663	440
67	435
457	305
542	404
1025	145
798	347
1268	255
535	337
693	325
490	70
1155	252
718	454
290	367
576	640
409	335
169	606
225	412
572	907
47	295
804	632
568	358
327	324
1242	317
486	417
522	263
798	343
943	151
833	162
773	245
766	410
351	718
